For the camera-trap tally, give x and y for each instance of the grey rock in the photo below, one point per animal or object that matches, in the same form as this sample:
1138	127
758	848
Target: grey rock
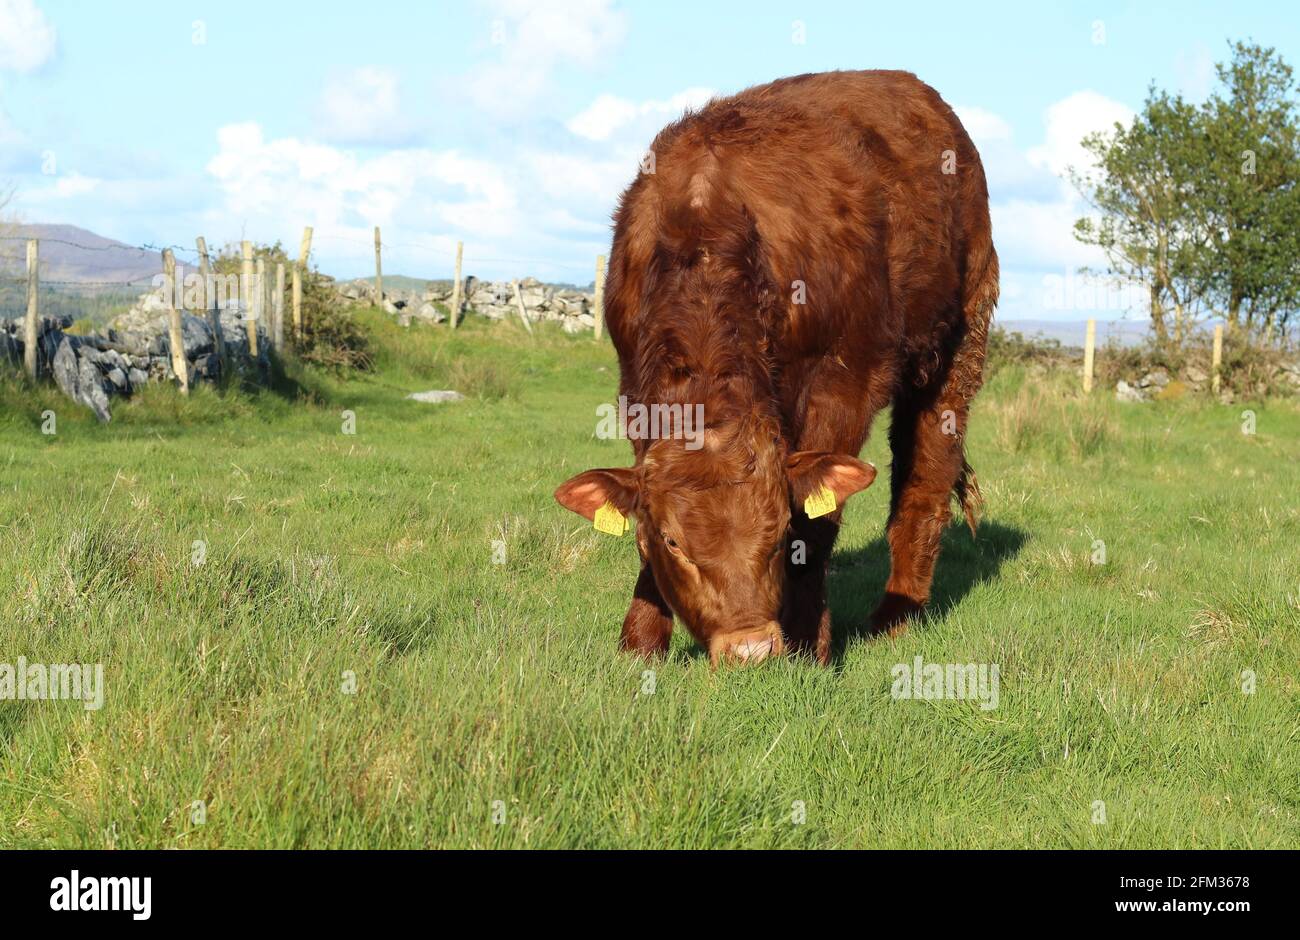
436	397
1127	393
93	390
79	378
65	368
206	367
196	336
1156	378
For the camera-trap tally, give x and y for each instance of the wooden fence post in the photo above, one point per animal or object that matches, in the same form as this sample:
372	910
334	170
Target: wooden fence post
175	332
523	311
277	309
296	292
259	305
211	302
246	295
205	268
304	249
33	305
1089	355
379	271
455	287
1217	362
599	313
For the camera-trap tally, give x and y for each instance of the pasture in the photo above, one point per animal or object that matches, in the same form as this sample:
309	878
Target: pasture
347	665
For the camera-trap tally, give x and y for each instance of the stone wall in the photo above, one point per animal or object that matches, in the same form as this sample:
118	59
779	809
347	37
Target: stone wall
135	349
544	303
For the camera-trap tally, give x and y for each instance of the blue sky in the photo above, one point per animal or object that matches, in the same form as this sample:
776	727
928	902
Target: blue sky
514	124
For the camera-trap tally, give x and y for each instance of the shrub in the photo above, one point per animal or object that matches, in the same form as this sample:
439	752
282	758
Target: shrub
331	337
1014	348
1249	367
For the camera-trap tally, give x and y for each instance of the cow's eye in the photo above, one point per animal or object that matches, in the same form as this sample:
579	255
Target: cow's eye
670	542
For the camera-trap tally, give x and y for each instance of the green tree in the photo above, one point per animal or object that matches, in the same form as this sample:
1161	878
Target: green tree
1138	190
1202	204
1250	191
331	336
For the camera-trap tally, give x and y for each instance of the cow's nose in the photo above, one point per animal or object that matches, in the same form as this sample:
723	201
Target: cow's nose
748	646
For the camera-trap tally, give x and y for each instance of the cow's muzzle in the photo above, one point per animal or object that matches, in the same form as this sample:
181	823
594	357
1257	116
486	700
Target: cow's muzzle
747	646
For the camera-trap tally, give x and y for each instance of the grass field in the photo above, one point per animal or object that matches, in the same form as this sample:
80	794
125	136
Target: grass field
490	706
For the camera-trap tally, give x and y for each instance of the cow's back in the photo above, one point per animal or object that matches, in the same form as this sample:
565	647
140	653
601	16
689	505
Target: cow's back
865	195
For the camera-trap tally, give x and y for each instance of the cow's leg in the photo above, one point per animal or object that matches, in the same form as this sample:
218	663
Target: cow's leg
838	420
648	626
926	433
805	618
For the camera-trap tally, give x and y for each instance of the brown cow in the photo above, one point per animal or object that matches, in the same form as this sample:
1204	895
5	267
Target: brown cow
794	257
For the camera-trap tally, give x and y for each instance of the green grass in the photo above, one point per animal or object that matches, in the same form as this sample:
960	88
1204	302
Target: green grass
371	554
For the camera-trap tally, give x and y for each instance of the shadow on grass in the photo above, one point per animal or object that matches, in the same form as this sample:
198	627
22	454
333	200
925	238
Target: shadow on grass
857	578
283	379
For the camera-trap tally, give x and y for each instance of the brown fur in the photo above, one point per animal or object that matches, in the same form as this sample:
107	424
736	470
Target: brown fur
835	181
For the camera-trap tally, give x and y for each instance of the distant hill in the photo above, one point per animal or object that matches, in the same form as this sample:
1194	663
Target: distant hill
71	254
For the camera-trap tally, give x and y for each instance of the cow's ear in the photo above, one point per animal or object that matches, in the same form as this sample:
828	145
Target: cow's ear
588	491
810	470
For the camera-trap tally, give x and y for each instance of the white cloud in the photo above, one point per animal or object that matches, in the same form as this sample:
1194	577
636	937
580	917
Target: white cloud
1068	121
579	179
335	187
983	125
1040	235
529	39
26	37
523	204
66	187
602	117
610	115
361	106
1033	206
424	199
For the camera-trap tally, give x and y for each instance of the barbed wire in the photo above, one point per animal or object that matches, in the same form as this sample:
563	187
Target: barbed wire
136	283
469	259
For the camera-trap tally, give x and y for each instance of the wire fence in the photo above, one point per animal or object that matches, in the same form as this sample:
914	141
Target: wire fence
13	263
73	283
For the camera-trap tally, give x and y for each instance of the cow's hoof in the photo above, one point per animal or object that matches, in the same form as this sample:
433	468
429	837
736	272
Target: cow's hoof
747	647
892	616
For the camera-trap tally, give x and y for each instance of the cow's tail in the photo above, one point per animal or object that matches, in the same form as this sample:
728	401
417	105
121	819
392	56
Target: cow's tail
979	296
967	491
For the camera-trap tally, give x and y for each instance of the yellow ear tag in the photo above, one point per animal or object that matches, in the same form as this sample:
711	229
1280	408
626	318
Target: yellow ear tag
820	503
609	520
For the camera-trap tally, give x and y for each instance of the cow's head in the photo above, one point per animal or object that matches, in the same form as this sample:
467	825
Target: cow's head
714	526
